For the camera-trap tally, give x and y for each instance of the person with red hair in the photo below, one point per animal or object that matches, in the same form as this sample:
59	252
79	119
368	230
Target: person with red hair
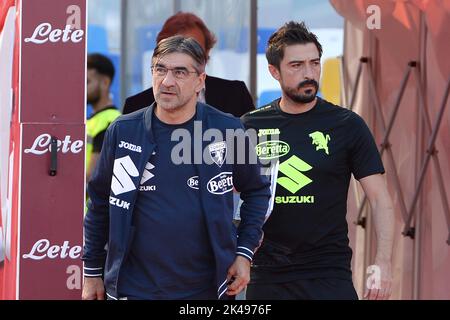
226	95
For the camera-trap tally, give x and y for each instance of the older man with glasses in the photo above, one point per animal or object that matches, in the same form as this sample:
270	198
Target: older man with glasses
168	224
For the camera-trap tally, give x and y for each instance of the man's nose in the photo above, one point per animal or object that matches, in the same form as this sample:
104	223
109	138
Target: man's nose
309	72
169	79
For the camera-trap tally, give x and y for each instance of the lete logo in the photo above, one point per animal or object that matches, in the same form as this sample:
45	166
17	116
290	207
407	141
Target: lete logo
42	145
72	31
42	249
44	33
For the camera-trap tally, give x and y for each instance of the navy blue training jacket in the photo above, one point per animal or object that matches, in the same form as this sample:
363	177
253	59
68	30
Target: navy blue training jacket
114	186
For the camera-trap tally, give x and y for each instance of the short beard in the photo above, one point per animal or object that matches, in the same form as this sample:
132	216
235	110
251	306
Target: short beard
166	106
302	98
93	99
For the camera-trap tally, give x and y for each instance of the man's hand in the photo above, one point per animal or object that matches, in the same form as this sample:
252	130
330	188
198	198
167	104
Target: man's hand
93	289
239	274
379	283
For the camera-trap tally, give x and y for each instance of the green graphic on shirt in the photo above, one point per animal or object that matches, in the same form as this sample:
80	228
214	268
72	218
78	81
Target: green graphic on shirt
294	199
320	140
268	132
295	179
272	149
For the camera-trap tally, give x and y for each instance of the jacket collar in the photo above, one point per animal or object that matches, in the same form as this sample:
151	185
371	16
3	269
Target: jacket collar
148	122
148	115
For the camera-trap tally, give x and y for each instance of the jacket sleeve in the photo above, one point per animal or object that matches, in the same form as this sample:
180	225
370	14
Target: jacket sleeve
254	188
96	222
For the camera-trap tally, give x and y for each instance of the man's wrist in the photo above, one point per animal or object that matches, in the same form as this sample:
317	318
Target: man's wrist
242	258
245	252
382	260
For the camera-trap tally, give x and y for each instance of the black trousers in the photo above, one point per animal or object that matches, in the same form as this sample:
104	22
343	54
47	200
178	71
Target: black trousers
304	289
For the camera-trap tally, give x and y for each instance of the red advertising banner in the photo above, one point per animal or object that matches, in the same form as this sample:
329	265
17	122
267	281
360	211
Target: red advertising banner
9	61
53	51
45	193
51	212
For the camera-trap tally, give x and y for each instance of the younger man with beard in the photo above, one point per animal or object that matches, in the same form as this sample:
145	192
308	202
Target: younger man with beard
100	74
305	253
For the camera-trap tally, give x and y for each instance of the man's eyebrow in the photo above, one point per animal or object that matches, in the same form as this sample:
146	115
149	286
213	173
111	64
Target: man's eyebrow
180	68
176	68
302	61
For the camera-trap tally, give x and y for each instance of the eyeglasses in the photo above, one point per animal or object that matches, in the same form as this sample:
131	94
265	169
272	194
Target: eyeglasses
179	73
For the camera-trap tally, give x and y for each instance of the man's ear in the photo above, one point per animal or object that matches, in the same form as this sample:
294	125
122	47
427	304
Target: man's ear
106	83
274	72
201	82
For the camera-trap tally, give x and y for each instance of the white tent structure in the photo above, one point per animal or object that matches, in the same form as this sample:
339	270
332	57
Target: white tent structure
396	72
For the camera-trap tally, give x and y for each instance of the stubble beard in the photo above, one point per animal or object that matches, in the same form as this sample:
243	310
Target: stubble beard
308	97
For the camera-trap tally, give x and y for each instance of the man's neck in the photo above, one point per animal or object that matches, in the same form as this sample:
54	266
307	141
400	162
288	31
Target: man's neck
292	107
176	116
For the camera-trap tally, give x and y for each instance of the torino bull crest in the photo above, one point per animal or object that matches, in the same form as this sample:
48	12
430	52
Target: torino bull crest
218	152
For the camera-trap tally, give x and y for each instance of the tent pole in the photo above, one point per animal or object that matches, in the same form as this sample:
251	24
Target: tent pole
385	145
253	50
418	241
357	80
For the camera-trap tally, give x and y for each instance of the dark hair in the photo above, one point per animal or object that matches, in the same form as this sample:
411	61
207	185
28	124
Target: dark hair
101	64
184	45
183	21
289	34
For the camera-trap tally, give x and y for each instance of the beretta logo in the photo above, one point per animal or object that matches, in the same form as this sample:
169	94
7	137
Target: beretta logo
193	182
272	149
221	183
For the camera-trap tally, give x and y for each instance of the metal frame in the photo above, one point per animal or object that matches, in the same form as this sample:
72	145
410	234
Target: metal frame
176	6
365	63
431	151
253	49
123	50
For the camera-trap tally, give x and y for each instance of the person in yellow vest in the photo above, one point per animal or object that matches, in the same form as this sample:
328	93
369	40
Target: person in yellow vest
100	74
